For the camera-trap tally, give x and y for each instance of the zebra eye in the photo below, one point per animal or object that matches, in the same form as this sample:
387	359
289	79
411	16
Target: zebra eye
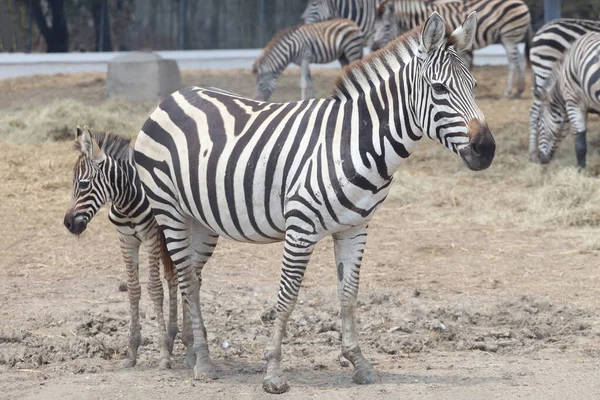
440	88
83	184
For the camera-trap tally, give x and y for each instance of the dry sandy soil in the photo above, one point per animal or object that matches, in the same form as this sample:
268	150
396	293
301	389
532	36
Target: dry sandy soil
474	285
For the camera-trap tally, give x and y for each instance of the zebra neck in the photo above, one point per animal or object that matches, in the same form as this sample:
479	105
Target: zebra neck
384	123
125	186
279	57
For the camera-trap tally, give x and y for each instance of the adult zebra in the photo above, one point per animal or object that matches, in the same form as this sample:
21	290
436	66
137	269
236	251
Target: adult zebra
506	21
360	11
548	46
216	164
571	90
104	173
320	43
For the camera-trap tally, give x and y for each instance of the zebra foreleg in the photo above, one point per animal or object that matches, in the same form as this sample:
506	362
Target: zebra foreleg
296	254
172	324
349	247
578	120
512	53
306	80
130	247
155	288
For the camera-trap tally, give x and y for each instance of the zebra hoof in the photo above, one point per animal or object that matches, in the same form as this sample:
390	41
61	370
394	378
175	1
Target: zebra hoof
129	363
190	359
205	372
364	376
164	363
275	385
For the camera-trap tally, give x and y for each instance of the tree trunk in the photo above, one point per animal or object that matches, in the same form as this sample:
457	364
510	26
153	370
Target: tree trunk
57	34
102	28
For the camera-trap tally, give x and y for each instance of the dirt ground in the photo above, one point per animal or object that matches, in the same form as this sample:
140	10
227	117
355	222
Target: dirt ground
473	286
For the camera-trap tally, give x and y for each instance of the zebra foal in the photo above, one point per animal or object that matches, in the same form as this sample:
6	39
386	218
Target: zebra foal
570	91
104	173
506	21
548	47
360	11
214	163
338	39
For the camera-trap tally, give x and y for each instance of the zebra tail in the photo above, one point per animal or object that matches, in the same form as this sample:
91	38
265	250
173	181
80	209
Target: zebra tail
168	268
528	39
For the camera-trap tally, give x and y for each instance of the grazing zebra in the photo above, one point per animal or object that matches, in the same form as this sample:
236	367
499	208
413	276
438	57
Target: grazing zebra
507	21
213	164
548	46
360	11
321	43
571	90
104	173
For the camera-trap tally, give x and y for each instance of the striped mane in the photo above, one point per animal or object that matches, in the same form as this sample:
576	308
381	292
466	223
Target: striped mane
113	145
269	47
401	48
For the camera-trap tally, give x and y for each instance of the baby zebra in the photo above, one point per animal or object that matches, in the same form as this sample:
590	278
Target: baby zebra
321	43
105	173
571	90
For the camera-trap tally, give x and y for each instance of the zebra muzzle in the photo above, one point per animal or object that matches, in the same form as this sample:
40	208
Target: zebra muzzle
480	151
75	224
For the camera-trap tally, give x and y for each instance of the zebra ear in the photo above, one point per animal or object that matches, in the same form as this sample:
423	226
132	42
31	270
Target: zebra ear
433	32
89	146
78	132
464	35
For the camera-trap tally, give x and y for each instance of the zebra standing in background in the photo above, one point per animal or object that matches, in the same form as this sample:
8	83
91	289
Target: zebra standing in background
548	46
360	11
571	90
506	21
213	164
104	173
321	43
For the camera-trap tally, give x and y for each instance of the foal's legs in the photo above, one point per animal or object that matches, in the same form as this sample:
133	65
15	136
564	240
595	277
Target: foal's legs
349	247
130	247
296	254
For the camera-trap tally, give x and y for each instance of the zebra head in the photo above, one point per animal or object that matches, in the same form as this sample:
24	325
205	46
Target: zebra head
386	27
547	124
265	84
89	189
319	10
443	98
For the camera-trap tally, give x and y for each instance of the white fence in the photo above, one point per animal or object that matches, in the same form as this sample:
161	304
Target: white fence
20	64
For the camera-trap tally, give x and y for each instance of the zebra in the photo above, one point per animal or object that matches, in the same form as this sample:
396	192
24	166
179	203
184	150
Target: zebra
548	46
214	163
319	43
360	11
507	21
570	91
103	173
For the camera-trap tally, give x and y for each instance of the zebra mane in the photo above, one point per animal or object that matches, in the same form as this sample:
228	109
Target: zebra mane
269	47
114	146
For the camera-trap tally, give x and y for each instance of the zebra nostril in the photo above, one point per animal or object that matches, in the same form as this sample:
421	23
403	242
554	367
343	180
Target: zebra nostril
68	222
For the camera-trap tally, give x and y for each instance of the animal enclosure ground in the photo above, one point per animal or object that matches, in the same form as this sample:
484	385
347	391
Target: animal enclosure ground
474	285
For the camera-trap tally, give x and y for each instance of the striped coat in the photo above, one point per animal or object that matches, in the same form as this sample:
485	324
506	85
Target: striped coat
569	92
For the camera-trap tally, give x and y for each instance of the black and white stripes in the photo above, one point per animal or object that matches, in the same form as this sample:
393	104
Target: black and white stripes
504	21
362	12
569	92
214	164
321	43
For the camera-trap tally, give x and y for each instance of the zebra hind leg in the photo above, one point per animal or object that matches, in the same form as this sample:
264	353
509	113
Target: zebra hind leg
172	324
349	247
296	255
130	247
180	246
